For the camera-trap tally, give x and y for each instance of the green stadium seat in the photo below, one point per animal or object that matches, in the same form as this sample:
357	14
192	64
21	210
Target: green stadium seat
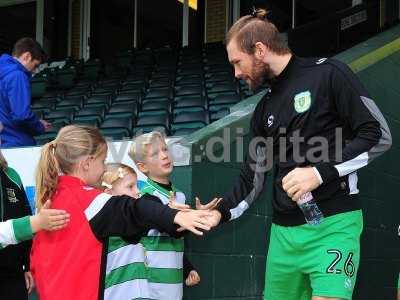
190	119
75	103
156	106
98	101
189	80
118	126
115	134
160	83
45	105
64	115
185	131
66	77
91	111
82	92
153	121
93	121
187	90
38	86
189	103
124	109
224	98
158	93
222	87
131	97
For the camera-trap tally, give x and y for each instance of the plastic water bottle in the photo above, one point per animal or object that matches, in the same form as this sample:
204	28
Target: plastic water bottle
310	209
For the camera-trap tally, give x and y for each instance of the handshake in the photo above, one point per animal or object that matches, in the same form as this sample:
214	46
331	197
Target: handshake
204	217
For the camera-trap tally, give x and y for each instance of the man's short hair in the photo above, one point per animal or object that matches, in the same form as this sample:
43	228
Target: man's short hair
27	44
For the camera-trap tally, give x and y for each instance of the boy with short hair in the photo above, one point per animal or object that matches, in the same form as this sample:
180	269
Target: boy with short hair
163	254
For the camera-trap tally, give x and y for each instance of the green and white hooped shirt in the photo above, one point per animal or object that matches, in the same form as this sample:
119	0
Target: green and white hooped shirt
152	269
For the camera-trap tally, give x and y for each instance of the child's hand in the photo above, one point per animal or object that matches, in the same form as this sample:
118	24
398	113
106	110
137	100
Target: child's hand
210	205
193	220
29	282
214	218
175	205
49	219
193	278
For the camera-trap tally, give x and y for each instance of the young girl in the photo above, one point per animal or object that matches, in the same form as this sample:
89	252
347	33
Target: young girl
120	179
66	264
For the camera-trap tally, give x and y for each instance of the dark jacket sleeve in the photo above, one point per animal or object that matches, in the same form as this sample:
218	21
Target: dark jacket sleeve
26	245
371	134
250	182
187	267
128	217
19	95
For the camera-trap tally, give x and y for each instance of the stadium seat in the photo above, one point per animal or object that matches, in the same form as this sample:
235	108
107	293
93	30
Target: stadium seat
187	90
121	98
76	103
123	109
224	98
219	77
38	86
50	94
153	121
189	80
157	106
84	92
189	103
45	105
158	93
64	115
222	87
91	69
133	87
190	119
160	83
117	128
92	121
90	115
98	101
66	77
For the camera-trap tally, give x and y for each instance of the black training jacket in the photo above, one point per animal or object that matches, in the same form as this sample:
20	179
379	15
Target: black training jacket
315	114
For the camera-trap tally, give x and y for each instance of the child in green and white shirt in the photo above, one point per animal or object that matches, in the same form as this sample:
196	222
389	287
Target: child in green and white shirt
129	270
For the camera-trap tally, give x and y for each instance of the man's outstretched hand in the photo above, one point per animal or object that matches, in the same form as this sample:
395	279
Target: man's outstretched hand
210	205
215	216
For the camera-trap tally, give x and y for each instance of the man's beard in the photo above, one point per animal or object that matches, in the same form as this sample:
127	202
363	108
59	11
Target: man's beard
261	73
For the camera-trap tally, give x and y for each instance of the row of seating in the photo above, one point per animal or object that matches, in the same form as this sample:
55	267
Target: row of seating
177	92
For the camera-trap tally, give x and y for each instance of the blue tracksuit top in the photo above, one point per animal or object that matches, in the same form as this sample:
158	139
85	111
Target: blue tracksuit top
19	123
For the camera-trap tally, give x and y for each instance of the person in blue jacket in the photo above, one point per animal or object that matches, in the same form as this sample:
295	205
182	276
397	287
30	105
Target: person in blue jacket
18	123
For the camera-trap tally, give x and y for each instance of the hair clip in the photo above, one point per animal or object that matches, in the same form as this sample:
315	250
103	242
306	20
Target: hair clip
105	184
121	173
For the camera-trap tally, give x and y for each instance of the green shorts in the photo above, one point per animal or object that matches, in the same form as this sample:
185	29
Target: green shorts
321	260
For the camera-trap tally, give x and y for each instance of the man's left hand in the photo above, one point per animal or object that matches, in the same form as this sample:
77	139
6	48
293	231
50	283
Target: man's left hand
46	125
300	181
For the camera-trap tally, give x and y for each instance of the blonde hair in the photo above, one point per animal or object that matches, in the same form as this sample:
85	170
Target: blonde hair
114	173
138	150
253	28
62	154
